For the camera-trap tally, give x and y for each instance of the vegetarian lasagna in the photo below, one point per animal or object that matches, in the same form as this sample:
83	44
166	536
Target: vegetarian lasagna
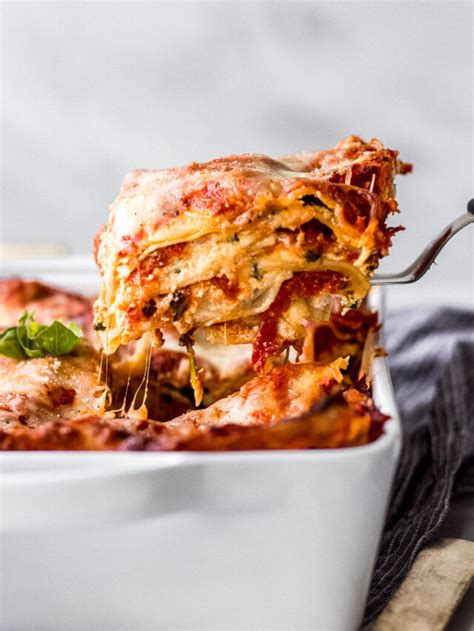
245	249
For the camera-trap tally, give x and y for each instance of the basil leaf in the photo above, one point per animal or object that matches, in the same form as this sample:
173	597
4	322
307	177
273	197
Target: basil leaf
75	328
27	318
30	339
30	348
58	338
34	328
10	345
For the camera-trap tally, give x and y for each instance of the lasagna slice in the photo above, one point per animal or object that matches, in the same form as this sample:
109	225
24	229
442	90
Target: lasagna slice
245	248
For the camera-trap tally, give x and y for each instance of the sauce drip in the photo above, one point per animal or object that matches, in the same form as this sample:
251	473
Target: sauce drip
268	343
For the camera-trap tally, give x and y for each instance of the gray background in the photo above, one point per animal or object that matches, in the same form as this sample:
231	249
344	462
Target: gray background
92	90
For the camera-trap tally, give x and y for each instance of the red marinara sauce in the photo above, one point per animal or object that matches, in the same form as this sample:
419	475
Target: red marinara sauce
268	343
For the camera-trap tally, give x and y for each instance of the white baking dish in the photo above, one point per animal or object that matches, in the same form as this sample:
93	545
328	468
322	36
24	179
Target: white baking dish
249	540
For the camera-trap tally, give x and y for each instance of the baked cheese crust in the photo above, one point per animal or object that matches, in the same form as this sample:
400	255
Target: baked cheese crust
33	391
62	403
337	421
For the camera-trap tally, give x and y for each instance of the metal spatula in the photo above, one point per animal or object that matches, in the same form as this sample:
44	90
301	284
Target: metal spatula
422	264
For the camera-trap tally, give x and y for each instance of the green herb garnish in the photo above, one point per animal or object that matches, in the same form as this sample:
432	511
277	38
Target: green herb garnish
194	374
30	339
255	273
178	304
312	256
149	309
312	200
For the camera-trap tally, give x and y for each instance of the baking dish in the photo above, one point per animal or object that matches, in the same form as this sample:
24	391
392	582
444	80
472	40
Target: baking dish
243	540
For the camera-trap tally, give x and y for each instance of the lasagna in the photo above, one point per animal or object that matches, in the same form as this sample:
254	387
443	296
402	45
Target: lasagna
245	249
335	422
62	403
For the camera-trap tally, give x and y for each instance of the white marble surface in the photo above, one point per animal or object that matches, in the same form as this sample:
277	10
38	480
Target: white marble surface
91	90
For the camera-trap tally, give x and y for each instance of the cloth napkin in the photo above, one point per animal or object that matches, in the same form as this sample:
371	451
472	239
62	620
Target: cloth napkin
431	357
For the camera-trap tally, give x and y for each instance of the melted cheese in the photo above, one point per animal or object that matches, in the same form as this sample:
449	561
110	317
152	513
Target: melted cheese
36	390
215	256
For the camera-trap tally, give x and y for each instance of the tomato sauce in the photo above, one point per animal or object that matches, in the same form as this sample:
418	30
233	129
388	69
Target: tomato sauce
268	343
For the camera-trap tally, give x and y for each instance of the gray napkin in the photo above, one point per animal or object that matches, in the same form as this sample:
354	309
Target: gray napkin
431	356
